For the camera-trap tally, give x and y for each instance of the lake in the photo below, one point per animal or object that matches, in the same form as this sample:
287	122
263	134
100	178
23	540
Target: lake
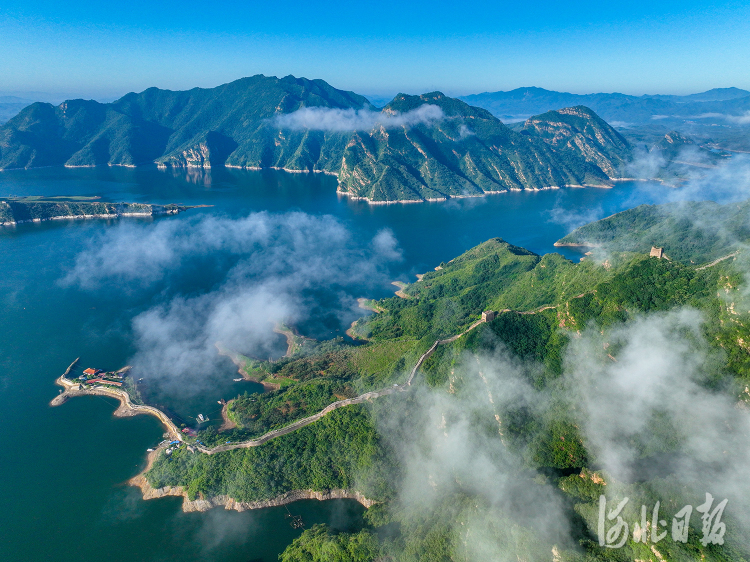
64	493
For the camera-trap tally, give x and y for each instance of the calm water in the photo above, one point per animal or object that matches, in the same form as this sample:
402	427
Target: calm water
64	469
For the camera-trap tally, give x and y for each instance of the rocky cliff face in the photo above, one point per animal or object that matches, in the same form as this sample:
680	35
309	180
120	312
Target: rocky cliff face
204	504
459	151
580	132
470	153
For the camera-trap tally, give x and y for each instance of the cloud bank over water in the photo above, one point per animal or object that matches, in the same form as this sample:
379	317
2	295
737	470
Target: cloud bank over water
266	268
345	120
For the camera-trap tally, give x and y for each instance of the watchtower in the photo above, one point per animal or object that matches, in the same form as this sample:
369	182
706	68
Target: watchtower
657	252
488	315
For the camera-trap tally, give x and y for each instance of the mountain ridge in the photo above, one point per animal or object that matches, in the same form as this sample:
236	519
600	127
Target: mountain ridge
612	106
416	148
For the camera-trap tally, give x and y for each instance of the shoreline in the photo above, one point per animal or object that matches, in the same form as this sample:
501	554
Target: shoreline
181	209
228	424
203	504
362	303
575	245
291	336
126	408
148	492
349	195
240	364
369	201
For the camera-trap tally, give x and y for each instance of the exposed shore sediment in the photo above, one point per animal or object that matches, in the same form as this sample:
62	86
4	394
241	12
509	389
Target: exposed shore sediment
204	504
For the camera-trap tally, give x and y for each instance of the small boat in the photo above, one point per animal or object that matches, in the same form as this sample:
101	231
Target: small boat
238	380
201	418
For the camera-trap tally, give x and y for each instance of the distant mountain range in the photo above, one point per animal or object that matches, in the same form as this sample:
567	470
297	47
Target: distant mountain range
416	148
616	108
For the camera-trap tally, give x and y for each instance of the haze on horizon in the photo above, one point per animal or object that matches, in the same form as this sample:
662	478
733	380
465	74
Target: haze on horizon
90	49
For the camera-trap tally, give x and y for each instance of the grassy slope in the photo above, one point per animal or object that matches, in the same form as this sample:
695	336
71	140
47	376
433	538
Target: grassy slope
687	231
494	274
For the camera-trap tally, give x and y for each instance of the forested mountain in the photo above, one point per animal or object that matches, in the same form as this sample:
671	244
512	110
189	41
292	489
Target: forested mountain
470	152
578	131
415	148
194	127
689	231
506	440
10	106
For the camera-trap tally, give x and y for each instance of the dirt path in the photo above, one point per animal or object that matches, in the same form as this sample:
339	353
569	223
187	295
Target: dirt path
128	408
713	263
228	424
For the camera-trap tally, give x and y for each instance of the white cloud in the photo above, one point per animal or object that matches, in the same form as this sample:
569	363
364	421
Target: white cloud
743	119
269	268
343	120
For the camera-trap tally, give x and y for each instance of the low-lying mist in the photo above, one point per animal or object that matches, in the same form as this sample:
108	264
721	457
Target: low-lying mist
645	399
278	269
346	120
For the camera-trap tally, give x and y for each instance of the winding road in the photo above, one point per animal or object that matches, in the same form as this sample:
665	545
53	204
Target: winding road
128	408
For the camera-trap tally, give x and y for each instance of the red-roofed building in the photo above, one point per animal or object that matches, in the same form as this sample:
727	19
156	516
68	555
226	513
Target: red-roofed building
90	371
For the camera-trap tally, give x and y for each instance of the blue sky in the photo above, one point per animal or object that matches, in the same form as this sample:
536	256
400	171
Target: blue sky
105	49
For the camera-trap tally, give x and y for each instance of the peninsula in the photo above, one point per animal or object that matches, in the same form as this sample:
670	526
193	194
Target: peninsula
19	210
346	419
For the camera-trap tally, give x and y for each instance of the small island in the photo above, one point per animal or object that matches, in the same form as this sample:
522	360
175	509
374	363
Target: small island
20	210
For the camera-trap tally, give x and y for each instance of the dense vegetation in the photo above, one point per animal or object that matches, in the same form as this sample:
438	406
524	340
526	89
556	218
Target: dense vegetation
319	544
29	209
341	451
688	231
471	152
533	440
493	276
466	152
568	129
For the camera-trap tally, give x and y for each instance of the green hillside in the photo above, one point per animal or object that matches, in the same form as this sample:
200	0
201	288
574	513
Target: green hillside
464	152
688	231
544	305
36	209
468	154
